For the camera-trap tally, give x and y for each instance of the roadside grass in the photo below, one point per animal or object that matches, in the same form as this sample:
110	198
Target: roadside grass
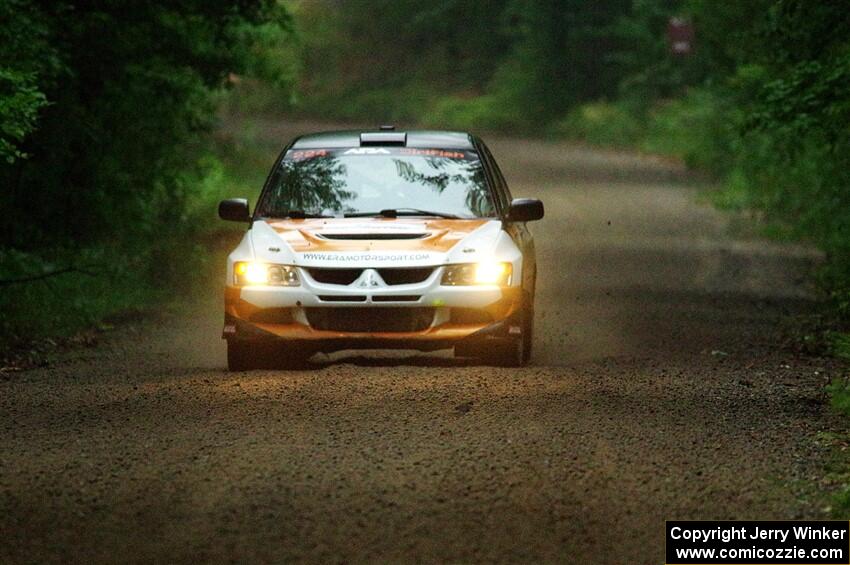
832	490
841	346
76	291
67	295
837	471
839	389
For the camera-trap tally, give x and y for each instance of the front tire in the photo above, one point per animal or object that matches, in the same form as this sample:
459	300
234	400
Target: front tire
510	353
516	351
239	356
506	351
527	333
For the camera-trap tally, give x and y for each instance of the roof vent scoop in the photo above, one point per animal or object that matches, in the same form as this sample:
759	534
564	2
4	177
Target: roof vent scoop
383	138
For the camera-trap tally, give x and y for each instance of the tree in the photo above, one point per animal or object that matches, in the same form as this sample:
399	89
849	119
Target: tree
121	89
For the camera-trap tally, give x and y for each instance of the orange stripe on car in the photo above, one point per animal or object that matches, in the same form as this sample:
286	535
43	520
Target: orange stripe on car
442	234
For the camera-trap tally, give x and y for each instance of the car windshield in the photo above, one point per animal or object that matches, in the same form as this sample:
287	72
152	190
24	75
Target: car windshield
372	180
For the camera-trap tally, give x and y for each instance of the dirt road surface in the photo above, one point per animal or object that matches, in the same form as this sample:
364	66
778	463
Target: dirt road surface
657	391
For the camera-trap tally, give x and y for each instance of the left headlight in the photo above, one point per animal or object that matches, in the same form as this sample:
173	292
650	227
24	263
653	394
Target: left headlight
246	273
484	273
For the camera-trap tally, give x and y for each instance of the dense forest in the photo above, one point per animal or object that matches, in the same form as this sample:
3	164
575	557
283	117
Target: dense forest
106	107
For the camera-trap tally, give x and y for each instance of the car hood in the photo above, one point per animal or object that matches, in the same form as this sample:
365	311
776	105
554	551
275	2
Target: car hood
366	242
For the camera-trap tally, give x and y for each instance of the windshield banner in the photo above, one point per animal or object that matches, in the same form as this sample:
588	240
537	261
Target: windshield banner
304	154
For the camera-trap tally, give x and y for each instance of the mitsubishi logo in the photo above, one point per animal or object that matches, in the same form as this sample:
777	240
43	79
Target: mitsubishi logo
370	279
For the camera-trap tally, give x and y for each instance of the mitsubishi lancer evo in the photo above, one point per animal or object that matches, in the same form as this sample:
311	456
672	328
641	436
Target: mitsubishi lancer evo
381	239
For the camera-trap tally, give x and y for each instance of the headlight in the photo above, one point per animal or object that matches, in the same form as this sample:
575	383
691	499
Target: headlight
486	272
250	273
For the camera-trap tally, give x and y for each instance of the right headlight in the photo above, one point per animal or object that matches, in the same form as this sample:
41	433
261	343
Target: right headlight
247	273
483	273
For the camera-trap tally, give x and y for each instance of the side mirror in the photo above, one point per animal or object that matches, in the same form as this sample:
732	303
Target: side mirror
234	210
525	210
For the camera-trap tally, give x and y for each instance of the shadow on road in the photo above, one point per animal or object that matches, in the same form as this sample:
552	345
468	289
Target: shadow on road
383	359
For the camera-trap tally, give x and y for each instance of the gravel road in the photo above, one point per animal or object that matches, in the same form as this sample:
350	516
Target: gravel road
658	390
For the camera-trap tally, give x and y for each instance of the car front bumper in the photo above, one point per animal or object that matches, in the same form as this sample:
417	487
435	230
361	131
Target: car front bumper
442	316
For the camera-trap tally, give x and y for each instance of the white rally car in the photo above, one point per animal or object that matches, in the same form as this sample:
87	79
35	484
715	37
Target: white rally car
381	239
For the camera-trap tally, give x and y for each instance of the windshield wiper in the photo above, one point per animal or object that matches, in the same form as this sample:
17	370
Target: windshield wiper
297	215
396	212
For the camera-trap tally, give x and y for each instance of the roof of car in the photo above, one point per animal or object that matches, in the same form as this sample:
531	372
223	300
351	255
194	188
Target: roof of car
434	139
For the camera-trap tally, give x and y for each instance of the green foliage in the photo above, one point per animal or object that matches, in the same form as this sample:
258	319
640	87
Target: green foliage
559	55
20	101
839	392
272	66
646	69
793	154
841	344
769	115
389	60
118	150
601	123
698	127
486	112
841	504
111	103
834	487
102	283
109	280
24	57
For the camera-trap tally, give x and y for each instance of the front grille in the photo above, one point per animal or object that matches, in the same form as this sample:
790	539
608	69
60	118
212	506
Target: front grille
376	236
332	298
396	298
393	276
371	320
410	275
335	276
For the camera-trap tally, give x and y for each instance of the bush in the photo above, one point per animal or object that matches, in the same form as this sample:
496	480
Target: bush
698	128
80	288
20	101
486	112
601	123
